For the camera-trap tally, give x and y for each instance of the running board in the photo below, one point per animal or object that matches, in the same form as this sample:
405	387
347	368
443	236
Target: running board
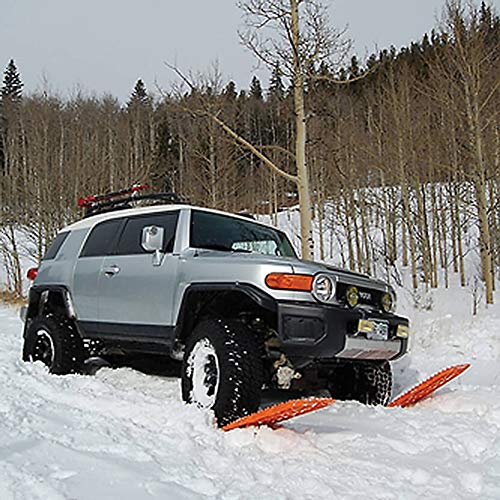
282	412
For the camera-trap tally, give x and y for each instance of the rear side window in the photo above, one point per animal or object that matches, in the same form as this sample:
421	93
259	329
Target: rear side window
130	240
55	246
102	239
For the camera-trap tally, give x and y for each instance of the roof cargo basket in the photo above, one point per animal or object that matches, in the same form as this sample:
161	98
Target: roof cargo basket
123	199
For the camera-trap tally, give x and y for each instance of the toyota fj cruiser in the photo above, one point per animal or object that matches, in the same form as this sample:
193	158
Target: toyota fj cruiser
225	294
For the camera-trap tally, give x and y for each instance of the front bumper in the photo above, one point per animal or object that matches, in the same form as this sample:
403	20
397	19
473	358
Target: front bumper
322	332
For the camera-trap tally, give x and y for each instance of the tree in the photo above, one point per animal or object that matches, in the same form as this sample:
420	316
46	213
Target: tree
469	64
230	91
11	93
12	87
296	35
256	89
139	94
276	86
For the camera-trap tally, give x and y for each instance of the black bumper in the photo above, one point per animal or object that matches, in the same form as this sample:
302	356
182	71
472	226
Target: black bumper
321	332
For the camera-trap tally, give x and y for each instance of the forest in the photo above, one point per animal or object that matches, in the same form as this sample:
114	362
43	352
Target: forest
403	152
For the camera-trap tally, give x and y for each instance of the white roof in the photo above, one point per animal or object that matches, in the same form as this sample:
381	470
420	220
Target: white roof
95	219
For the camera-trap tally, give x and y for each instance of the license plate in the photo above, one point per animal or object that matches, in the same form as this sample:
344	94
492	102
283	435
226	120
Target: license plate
380	330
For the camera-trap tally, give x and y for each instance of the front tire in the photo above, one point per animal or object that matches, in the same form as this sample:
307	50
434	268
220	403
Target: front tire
222	369
54	341
369	382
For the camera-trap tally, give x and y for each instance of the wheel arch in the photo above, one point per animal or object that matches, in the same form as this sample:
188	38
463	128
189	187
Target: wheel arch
229	300
55	299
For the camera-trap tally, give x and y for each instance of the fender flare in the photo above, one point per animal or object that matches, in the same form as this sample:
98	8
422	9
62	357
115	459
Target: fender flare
37	299
258	296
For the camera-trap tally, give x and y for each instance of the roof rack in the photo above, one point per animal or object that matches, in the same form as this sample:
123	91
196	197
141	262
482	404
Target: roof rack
123	199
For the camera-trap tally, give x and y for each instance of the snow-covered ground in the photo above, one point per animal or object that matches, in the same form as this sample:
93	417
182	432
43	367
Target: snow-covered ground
121	434
125	435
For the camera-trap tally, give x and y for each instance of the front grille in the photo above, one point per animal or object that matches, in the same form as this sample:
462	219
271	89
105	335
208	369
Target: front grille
367	296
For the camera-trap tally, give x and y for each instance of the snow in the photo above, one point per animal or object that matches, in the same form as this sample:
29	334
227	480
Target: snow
123	434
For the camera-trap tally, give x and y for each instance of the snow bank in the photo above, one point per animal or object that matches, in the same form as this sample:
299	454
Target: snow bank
123	434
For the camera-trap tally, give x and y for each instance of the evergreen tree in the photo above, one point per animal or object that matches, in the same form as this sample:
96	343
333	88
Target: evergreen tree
256	89
139	94
12	87
276	86
371	61
230	91
354	69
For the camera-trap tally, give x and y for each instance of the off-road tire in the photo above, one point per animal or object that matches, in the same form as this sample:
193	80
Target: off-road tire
68	349
241	374
369	382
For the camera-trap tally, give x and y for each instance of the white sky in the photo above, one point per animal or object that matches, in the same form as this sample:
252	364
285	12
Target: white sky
106	45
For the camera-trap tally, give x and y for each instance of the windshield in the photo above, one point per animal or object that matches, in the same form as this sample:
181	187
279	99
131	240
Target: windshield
228	234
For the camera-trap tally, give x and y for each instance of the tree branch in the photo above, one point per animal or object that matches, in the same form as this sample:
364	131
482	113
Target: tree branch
252	149
342	82
234	135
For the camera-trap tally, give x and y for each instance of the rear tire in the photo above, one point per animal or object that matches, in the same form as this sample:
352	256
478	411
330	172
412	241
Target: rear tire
369	382
222	369
54	341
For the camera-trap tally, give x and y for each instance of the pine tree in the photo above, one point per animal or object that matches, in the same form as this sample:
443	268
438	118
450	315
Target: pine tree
276	86
371	62
139	94
256	89
230	91
12	87
354	69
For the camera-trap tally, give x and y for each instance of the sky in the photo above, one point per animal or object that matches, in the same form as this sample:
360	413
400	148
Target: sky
104	46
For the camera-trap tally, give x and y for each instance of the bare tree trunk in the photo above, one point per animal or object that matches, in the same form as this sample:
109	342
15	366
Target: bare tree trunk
300	140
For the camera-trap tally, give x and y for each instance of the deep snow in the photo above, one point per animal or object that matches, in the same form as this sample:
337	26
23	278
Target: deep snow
122	434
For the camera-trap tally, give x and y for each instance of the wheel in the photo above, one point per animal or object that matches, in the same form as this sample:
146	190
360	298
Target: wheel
369	382
54	341
222	369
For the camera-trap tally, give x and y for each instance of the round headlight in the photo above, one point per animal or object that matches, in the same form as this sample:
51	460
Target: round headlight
387	302
352	296
323	287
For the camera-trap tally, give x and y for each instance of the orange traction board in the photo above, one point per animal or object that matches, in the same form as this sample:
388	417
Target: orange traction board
280	412
428	386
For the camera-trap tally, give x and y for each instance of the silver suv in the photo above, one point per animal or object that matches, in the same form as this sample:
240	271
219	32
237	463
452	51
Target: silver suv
222	293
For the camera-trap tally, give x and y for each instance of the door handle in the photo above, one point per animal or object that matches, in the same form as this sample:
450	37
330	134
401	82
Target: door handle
111	270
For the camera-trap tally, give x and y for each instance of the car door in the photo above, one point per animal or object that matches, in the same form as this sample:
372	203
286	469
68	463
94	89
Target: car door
135	289
99	242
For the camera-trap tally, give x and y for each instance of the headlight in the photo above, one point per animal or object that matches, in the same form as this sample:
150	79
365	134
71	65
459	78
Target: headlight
388	302
352	296
323	288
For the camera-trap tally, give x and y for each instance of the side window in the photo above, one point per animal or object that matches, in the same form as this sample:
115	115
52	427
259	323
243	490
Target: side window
101	239
130	240
56	246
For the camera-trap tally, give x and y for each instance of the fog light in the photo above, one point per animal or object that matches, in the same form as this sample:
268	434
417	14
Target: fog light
352	296
387	302
365	326
402	331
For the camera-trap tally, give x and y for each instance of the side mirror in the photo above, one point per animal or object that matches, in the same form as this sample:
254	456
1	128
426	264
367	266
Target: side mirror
152	241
